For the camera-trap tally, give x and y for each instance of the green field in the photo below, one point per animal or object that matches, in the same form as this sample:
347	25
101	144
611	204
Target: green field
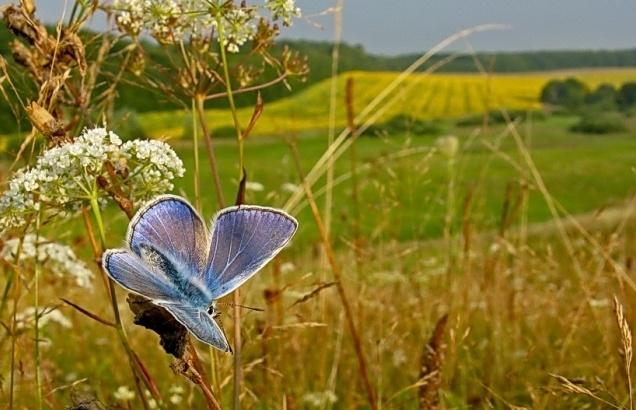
582	172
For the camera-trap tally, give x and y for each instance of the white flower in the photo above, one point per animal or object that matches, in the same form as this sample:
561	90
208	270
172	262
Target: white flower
448	145
175	20
176	399
56	258
26	318
289	187
238	28
64	177
254	186
124	393
176	394
287	267
284	10
320	399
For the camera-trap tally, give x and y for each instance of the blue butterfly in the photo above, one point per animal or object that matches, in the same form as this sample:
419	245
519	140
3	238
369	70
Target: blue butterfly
172	260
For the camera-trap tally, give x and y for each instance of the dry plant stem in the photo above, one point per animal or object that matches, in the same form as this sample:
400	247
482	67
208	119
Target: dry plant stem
357	341
258	87
210	151
200	380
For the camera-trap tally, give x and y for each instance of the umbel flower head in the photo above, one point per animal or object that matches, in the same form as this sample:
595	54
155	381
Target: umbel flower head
56	258
66	177
170	21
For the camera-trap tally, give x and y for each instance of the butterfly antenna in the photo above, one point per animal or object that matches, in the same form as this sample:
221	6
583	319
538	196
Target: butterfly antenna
230	304
220	324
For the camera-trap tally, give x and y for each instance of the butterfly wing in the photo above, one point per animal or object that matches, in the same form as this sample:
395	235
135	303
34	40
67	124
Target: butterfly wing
170	225
131	272
199	323
243	240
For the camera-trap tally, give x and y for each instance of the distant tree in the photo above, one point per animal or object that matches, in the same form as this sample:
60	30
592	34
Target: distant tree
627	95
603	97
569	93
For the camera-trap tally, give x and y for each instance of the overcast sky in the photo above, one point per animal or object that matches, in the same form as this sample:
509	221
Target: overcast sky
402	26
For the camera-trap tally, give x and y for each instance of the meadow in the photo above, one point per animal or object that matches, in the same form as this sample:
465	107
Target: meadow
483	265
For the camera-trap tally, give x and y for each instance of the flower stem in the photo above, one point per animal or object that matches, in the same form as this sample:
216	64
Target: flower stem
134	366
36	291
195	142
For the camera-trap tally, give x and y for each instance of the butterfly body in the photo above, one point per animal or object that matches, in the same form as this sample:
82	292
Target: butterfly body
171	259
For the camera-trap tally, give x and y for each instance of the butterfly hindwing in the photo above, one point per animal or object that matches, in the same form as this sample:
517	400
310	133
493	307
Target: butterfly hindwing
243	240
131	272
171	225
200	323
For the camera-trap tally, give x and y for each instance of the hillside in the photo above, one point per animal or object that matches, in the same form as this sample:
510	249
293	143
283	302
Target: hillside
442	95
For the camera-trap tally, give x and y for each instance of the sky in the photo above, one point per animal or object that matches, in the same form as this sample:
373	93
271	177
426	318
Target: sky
406	26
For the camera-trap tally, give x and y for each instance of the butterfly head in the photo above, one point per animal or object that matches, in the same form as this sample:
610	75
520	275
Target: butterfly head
212	310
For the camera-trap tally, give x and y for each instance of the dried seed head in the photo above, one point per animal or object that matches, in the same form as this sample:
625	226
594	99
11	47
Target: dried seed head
43	121
626	334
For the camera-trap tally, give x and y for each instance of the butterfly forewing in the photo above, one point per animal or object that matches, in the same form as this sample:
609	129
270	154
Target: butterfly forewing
243	240
170	225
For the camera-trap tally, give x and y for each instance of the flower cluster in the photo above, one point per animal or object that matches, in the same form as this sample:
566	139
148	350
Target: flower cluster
283	10
170	21
57	258
124	393
66	176
320	399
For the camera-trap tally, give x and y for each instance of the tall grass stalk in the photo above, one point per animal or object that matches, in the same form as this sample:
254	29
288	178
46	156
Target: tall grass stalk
236	391
449	215
195	145
369	115
335	268
207	137
333	106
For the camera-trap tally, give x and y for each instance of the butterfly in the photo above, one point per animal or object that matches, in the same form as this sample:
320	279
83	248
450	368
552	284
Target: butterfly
171	260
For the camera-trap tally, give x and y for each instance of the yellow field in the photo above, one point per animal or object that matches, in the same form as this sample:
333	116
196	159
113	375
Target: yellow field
424	96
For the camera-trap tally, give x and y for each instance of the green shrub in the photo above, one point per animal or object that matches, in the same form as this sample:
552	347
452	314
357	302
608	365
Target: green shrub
600	123
602	98
569	93
626	97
